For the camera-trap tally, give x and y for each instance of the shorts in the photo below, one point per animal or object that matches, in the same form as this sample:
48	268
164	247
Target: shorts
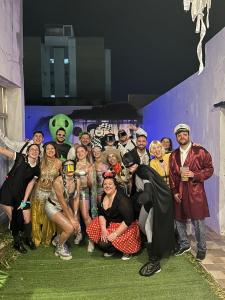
51	209
84	194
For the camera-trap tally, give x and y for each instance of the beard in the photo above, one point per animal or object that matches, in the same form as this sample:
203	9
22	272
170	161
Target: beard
183	142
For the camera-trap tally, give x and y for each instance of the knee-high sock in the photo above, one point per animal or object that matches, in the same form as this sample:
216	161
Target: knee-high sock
27	231
16	224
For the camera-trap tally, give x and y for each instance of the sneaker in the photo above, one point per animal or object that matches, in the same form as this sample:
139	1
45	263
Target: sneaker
150	268
126	256
78	238
91	246
55	240
63	252
107	254
181	251
200	255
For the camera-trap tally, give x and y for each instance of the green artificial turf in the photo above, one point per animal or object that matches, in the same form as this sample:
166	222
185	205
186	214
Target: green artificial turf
41	275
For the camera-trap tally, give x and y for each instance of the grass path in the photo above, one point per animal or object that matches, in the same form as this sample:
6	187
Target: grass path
41	275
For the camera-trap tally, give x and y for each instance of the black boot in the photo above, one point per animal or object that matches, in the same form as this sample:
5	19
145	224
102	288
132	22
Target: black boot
18	243
152	266
27	236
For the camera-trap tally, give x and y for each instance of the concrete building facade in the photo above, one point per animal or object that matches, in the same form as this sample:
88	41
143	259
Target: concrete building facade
11	73
66	66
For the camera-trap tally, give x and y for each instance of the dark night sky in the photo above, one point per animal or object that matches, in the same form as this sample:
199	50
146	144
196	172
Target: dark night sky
152	41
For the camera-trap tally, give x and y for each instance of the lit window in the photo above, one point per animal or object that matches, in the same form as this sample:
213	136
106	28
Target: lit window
66	61
52	61
52	96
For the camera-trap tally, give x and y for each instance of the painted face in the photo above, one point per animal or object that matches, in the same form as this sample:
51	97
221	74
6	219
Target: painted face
166	143
38	138
33	152
183	138
85	139
133	168
157	151
112	159
50	151
109	186
81	153
96	152
141	142
60	136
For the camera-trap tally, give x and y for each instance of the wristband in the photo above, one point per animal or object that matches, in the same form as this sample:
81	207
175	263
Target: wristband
24	203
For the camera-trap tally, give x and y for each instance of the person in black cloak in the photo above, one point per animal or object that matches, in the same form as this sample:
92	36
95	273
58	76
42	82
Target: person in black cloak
156	212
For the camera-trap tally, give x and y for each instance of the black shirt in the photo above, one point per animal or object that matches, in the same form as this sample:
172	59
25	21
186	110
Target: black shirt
121	210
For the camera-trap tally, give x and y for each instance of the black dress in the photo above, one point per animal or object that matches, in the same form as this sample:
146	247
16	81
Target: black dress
14	187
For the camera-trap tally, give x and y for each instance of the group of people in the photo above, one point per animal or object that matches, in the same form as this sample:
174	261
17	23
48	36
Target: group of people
119	194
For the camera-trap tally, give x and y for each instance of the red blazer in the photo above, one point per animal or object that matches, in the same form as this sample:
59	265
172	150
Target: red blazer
193	198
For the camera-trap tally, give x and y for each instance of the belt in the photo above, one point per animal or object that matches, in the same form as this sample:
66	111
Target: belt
50	201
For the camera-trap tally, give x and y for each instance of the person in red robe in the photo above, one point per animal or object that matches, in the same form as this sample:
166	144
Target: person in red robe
190	166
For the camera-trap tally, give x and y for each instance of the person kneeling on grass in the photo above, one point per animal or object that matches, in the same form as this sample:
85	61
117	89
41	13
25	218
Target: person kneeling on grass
65	192
115	228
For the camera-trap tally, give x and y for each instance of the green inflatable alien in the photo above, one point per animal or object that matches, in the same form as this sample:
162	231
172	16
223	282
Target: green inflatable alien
59	121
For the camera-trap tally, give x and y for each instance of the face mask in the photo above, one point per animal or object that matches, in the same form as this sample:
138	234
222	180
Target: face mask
68	168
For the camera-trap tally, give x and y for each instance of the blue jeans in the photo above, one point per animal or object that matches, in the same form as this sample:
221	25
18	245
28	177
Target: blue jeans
199	226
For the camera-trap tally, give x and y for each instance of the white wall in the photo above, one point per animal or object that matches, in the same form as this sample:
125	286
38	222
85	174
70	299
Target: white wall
192	102
11	67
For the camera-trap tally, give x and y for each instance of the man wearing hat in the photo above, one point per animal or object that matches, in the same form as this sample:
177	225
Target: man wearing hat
190	166
110	141
124	144
140	149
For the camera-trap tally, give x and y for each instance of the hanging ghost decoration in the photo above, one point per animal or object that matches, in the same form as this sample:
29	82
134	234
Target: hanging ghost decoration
197	13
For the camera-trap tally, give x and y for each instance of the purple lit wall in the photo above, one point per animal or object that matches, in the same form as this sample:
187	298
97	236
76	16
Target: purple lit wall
192	102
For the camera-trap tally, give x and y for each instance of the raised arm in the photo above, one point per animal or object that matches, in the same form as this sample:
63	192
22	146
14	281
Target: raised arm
13	145
8	153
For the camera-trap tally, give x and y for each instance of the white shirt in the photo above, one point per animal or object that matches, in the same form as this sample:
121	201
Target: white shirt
144	158
184	154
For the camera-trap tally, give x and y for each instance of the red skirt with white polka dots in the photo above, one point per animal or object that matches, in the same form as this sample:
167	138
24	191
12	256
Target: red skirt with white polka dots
128	242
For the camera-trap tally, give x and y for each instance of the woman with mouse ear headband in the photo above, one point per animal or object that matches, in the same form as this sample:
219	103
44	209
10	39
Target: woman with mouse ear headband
115	229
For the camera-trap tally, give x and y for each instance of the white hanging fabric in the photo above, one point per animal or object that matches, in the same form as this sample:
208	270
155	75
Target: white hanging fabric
197	13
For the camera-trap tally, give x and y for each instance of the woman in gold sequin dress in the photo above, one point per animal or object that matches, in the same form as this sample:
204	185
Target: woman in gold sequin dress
42	228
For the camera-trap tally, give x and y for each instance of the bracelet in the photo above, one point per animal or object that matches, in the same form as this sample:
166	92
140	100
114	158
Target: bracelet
23	204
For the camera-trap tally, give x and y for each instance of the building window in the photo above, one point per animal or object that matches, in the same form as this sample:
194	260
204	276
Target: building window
3	110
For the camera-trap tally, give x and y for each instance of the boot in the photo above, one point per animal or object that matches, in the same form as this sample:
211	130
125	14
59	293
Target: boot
152	266
18	243
27	236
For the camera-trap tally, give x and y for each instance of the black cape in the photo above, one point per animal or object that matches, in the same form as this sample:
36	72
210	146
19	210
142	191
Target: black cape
163	219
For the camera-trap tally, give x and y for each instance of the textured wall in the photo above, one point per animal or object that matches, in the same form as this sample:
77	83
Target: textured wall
192	102
11	72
